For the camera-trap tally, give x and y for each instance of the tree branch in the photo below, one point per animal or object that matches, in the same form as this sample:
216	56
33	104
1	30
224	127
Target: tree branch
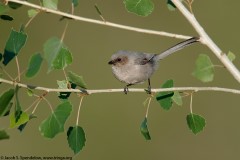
205	39
90	91
105	23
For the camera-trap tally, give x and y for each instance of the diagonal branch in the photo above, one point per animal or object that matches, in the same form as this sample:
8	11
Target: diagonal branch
89	91
105	23
205	39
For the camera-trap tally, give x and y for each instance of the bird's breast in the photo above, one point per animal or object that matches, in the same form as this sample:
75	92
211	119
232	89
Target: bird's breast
133	73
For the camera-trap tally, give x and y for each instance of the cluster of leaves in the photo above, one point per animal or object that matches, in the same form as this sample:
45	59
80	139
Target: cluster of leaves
204	71
58	57
195	122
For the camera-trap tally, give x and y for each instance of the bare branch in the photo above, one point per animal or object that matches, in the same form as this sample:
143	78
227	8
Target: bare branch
92	91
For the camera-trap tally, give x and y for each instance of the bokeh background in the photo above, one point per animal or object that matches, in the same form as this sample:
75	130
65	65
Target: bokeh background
111	120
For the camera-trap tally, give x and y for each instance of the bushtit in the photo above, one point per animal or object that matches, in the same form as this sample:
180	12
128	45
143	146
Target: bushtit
136	67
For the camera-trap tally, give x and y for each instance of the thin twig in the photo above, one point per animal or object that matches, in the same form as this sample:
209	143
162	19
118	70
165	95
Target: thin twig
5	72
57	12
205	39
89	91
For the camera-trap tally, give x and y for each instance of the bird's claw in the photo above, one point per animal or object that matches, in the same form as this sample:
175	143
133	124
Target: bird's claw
126	90
148	90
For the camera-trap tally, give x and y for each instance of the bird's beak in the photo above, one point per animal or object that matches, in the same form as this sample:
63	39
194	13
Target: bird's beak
110	62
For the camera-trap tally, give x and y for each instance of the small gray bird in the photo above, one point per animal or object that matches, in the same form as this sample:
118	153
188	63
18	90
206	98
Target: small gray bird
136	67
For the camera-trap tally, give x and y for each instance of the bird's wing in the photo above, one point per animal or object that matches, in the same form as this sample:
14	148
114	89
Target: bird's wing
147	59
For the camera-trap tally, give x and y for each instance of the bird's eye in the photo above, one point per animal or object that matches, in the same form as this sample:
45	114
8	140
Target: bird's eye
119	59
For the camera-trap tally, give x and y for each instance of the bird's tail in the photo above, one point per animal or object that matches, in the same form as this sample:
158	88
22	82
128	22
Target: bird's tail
176	47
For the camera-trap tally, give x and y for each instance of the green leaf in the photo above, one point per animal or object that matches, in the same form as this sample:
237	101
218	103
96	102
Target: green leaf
51	49
76	79
14	5
139	7
165	98
204	69
54	124
32	13
34	65
18	109
231	56
51	4
22	126
75	3
22	28
76	138
177	98
23	118
1	56
64	85
13	46
7	112
5	100
3	8
144	129
171	6
29	92
63	59
195	122
6	17
98	10
3	135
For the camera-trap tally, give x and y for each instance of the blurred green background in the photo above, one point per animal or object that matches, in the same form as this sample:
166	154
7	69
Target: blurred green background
111	120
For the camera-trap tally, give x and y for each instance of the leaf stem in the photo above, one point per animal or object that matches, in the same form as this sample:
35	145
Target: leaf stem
49	104
64	31
30	20
79	108
36	107
99	12
36	100
18	70
191	102
148	106
218	66
72	8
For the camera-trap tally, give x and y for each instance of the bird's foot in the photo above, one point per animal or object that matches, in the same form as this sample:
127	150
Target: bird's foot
148	90
125	90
